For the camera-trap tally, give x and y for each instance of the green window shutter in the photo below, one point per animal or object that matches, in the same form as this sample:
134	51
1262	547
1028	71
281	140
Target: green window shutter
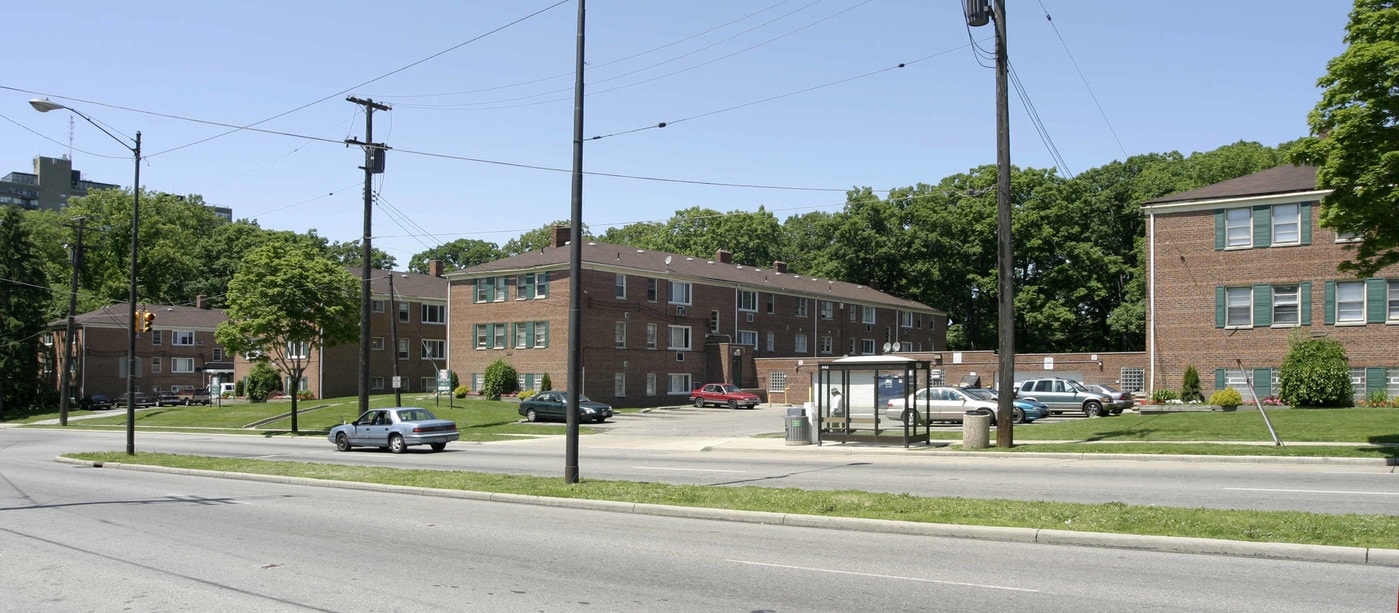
1330	296
1219	230
529	382
514	333
1262	305
1263	382
546	332
1306	209
1304	302
529	334
1374	381
1218	379
1262	226
475	283
1219	306
1376	300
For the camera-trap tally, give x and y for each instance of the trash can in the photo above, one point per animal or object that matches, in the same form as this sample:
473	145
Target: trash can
798	427
976	430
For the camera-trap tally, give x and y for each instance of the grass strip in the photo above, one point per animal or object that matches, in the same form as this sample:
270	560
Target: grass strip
1352	530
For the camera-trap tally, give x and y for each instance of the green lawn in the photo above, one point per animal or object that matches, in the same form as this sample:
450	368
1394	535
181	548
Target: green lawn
1361	425
1261	526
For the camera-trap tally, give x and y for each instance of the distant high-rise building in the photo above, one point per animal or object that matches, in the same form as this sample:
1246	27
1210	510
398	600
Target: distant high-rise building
50	186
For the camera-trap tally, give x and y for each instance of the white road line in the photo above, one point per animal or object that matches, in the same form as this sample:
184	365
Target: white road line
693	470
878	576
1261	489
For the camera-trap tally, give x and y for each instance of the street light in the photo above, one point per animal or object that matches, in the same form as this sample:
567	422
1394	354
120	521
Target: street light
43	106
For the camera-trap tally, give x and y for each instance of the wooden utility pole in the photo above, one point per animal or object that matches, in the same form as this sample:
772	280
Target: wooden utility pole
66	377
373	164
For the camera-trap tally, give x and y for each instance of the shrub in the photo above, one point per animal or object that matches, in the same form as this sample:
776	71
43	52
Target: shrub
262	381
1162	396
461	391
1315	373
239	388
546	384
1378	398
1190	388
500	378
306	395
527	394
1227	397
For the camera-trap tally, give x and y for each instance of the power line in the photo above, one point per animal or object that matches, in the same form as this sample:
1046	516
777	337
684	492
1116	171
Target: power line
1039	125
1085	80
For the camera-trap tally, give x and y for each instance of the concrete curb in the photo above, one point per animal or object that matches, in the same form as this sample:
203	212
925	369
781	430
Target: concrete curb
1167	544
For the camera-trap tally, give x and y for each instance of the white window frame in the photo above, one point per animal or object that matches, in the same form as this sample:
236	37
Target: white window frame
155	338
680	292
298	351
867	346
1287	224
483	336
802	306
500	340
403	352
799	343
826	308
772	341
678	383
686	338
1238	228
216	353
1354	305
433	348
619	335
867	314
155	365
181	365
433	314
652	289
748	301
651	336
1238	301
650	384
521	336
376	306
181	338
541	334
621	286
827	345
405	311
1393	302
1286	299
748	337
905	319
619	384
376	343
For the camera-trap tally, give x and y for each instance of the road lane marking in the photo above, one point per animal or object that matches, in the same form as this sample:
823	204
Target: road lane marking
879	576
1262	489
694	470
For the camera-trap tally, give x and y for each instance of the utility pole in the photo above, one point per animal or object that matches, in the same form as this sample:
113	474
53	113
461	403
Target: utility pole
373	164
575	270
977	13
66	386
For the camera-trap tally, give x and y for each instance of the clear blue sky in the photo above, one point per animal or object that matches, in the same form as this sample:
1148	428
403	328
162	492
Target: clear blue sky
1188	76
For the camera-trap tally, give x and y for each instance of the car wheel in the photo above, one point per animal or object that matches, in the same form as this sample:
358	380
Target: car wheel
342	442
699	403
1117	411
531	415
1093	408
396	444
733	404
1018	415
438	446
989	413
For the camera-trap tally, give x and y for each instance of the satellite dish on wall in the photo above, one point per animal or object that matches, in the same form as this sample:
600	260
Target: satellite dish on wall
887	347
667	260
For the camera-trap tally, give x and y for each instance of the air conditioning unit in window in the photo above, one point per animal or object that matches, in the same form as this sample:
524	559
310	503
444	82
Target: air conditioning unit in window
682	311
680	356
199	343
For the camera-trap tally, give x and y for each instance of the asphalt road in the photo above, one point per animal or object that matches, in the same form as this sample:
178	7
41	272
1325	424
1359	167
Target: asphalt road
85	539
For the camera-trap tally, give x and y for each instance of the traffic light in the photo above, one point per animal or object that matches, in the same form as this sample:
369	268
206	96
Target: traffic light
146	319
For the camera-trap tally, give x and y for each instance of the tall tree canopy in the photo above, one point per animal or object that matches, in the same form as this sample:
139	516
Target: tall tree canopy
24	299
456	255
1356	150
539	238
352	254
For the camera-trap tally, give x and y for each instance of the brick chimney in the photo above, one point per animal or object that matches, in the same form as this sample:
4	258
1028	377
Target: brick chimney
779	266
723	256
434	268
201	302
562	234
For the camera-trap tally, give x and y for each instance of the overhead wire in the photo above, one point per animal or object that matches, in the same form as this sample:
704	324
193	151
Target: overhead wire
1083	78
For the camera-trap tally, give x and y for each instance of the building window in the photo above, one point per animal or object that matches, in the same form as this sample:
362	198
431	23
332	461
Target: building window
531	285
777	381
1285	311
376	343
182	338
905	319
1238	228
619	335
1133	379
541	334
298	351
521	336
499	341
1350	302
621	287
772	303
748	337
403	316
801	307
483	336
714	322
426	384
216	354
772	342
619	384
799	344
651	290
679	383
854	347
679	292
434	313
376	383
852	312
867	314
155	337
377	306
650	384
1238	307
122	367
181	365
1393	316
1357	384
155	365
827	345
434	349
905	347
1287	224
827	309
679	338
747	300
402	348
491	289
867	346
650	336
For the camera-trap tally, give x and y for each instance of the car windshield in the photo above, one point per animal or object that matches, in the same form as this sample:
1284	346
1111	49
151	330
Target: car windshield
1110	389
582	398
1075	386
979	394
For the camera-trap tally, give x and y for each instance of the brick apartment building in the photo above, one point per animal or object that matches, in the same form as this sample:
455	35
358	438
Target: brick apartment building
178	353
655	325
1238	268
416	314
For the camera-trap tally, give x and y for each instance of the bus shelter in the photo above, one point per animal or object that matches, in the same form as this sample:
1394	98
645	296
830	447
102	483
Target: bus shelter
865	399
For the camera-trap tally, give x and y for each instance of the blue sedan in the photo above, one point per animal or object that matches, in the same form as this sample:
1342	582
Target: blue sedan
395	429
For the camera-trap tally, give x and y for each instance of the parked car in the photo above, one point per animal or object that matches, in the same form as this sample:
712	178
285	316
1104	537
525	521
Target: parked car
1064	395
168	399
550	405
95	402
947	403
395	429
724	395
195	396
1120	400
140	400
